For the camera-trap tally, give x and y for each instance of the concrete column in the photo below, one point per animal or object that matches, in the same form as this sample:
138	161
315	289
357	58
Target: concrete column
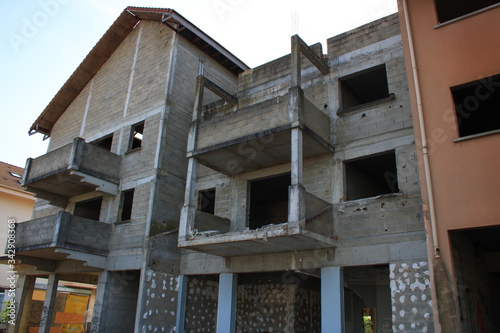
24	293
181	303
48	304
226	310
296	63
296	200
332	300
188	212
100	297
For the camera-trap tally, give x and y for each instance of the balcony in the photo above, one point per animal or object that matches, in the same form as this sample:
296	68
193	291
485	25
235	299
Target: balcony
259	135
74	169
61	237
253	131
211	234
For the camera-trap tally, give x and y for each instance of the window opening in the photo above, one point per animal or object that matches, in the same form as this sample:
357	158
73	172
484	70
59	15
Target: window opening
364	87
450	9
89	209
371	176
477	106
206	201
269	201
136	135
127	200
104	142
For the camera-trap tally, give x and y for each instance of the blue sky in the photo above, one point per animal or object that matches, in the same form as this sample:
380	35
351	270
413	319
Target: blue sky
43	41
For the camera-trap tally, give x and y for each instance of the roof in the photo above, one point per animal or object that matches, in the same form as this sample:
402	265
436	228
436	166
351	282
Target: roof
110	41
10	176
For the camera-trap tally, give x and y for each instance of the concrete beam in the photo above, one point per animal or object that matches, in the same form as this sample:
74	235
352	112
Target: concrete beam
316	60
101	184
53	199
213	87
332	300
226	310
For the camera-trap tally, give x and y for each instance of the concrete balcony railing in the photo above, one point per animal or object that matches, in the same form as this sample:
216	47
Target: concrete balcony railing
71	170
57	236
211	234
257	136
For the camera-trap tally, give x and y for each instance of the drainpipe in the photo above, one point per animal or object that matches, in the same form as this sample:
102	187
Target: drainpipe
425	155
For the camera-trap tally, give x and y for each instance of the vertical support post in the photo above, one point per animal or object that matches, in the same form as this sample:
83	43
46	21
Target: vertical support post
296	200
296	63
198	103
181	303
332	300
188	212
296	160
99	308
226	310
23	297
48	304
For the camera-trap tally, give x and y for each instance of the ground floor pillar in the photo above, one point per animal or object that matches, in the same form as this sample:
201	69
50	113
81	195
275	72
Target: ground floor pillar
332	300
226	311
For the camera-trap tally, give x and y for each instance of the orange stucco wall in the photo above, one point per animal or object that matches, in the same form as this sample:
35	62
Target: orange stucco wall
465	174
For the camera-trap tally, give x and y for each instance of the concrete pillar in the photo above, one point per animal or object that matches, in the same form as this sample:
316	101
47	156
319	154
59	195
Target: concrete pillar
24	293
48	304
188	211
296	63
332	300
296	195
181	303
99	308
226	310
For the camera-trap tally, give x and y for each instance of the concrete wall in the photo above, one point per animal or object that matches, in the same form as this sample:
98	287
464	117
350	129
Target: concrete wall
282	302
117	312
159	308
201	304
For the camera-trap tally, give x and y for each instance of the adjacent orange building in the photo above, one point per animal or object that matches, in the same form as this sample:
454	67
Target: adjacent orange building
452	51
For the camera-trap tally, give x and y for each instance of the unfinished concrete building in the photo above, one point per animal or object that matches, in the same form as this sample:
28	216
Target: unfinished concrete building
203	196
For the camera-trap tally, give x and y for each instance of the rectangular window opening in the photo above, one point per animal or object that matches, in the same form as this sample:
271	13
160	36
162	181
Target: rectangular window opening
126	203
104	142
136	135
477	106
89	209
364	87
371	176
268	201
448	10
206	201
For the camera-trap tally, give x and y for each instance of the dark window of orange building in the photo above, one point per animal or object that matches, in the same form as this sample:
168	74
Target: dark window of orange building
451	9
477	106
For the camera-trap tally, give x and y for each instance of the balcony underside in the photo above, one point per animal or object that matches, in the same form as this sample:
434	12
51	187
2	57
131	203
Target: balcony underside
66	183
258	151
271	239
